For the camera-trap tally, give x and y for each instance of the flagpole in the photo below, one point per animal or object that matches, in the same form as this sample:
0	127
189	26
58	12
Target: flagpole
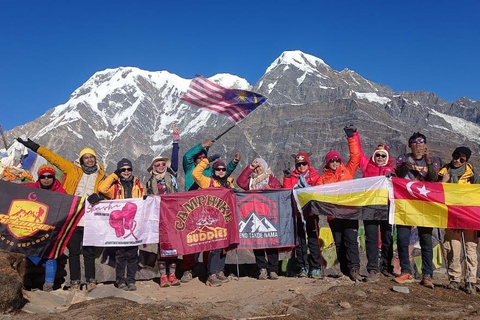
224	132
3	138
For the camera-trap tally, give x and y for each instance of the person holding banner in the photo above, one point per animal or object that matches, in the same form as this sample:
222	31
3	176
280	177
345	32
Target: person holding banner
46	180
460	171
82	178
302	176
258	176
216	258
122	184
163	181
345	231
417	165
379	164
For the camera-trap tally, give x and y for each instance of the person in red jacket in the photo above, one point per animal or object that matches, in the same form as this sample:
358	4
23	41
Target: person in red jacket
379	164
303	176
258	176
47	181
345	231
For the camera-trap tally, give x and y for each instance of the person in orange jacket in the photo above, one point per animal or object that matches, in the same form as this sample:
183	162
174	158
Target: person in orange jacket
345	231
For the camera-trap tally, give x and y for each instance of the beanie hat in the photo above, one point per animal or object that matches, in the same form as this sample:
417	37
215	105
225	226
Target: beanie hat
218	163
160	158
332	155
382	148
203	152
46	168
85	151
466	151
302	157
124	163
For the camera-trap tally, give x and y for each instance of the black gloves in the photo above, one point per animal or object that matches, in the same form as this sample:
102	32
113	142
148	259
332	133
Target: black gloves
390	174
287	173
117	172
213	157
94	198
29	144
145	197
349	130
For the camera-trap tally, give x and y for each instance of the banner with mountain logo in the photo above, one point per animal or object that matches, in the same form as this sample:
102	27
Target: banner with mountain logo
265	219
37	222
196	221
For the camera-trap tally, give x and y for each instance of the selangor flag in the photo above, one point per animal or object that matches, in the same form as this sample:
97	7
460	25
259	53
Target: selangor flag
435	204
359	199
234	103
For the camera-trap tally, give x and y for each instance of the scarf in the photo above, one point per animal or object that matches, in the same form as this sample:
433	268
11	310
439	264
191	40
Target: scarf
89	170
456	173
260	181
127	186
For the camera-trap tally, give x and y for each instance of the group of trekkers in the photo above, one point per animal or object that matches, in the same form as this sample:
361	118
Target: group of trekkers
86	177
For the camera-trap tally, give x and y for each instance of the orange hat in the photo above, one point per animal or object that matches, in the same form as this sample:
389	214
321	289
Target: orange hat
46	168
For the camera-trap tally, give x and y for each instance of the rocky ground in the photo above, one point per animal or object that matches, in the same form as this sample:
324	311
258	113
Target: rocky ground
248	298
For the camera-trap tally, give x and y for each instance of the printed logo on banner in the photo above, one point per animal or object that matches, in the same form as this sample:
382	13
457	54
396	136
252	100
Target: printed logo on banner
124	219
205	212
258	219
25	218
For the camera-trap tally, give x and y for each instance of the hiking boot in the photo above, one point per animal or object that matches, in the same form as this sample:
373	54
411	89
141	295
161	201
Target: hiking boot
131	287
372	276
404	278
453	285
173	280
221	277
91	286
427	282
122	286
75	285
212	281
303	273
273	275
355	275
164	283
48	287
316	274
186	277
263	274
470	288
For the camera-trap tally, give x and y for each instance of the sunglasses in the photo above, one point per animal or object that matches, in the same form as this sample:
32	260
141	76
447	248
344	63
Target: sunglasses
457	157
125	169
220	169
380	155
160	164
45	176
334	160
417	141
299	164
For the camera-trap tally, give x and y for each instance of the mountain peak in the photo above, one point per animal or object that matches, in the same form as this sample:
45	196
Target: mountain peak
230	81
299	59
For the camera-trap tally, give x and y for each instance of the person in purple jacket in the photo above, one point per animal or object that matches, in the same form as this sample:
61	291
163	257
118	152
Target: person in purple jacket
258	176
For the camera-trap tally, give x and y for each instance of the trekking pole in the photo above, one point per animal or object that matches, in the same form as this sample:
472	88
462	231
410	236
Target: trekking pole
238	267
467	272
3	138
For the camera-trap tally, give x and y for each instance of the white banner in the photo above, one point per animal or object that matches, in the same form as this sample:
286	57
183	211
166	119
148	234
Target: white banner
122	222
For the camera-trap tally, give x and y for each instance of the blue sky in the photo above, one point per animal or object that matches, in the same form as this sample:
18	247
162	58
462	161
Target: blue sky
50	48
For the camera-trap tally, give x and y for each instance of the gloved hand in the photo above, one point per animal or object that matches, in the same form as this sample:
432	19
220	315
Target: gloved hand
176	133
94	198
145	197
287	173
213	157
117	172
390	174
29	144
349	130
302	183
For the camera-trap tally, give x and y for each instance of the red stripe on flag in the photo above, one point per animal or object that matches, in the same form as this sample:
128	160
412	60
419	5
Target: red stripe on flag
418	190
463	217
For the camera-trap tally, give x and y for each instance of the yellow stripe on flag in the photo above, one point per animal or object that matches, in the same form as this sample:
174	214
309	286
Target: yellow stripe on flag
363	198
462	195
420	213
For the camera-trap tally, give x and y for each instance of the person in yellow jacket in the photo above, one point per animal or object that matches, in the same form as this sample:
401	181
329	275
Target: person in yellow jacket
122	184
460	171
216	258
82	177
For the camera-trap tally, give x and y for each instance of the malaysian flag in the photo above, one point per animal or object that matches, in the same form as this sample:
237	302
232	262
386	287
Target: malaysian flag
234	103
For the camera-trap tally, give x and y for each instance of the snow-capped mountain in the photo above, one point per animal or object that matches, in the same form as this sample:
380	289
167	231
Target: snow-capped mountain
128	112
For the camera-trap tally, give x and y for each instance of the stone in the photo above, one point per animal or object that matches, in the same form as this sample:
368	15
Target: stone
401	289
345	305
